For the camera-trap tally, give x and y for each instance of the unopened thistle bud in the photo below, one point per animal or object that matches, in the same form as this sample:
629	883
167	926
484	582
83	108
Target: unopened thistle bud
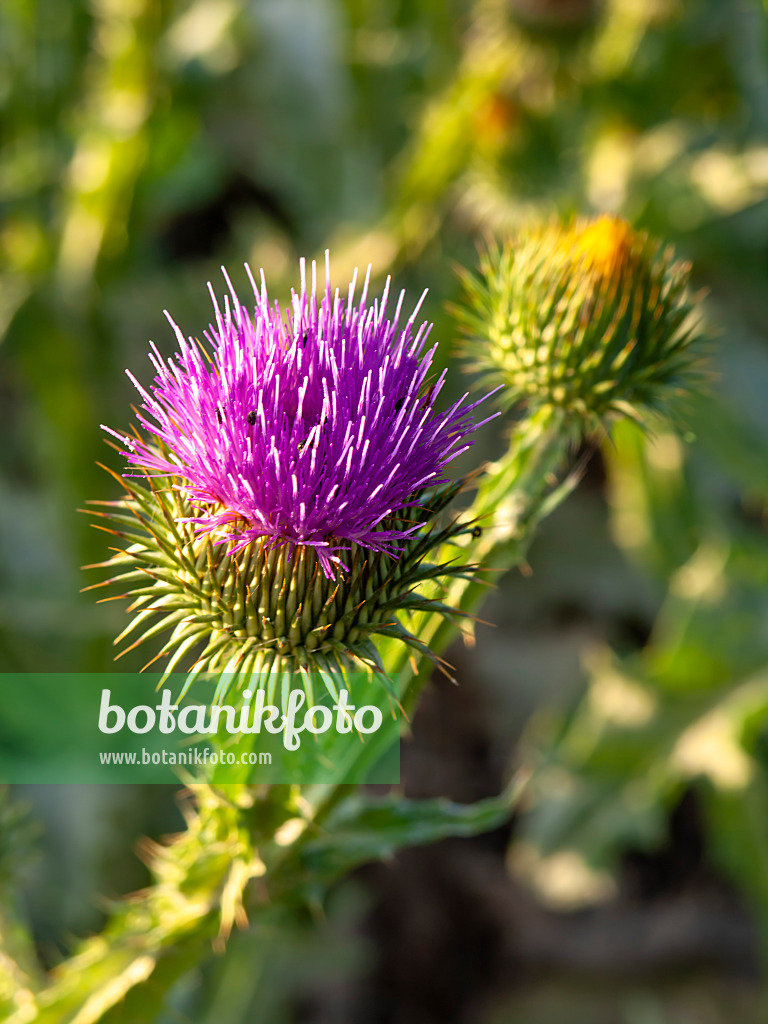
591	318
287	486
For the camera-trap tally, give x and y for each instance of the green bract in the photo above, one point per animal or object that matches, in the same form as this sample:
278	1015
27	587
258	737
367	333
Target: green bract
592	319
269	611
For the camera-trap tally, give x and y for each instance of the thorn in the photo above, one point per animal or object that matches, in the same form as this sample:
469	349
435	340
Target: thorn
152	661
106	529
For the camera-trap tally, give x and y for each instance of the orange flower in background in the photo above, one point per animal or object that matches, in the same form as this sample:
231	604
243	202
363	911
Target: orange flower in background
495	122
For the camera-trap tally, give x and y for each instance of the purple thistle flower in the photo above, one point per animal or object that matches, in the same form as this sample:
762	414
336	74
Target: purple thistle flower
308	428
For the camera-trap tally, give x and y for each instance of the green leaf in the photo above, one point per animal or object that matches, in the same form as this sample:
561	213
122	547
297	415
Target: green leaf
364	828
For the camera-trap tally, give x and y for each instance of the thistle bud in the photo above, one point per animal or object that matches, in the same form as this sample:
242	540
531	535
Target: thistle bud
592	319
287	487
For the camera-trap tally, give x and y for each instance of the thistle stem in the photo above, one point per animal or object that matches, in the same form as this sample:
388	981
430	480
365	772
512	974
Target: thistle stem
514	495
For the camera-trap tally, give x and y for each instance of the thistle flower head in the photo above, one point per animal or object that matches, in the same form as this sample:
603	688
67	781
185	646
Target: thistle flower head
309	428
294	463
592	318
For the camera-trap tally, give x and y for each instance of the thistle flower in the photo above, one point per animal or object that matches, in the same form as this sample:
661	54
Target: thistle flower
592	318
293	468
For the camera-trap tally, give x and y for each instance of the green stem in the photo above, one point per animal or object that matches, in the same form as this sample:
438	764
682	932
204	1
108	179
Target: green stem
514	495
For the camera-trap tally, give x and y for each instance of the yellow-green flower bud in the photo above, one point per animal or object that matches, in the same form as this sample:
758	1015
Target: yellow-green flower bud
591	318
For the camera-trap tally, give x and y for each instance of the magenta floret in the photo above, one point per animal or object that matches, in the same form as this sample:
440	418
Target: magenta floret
306	427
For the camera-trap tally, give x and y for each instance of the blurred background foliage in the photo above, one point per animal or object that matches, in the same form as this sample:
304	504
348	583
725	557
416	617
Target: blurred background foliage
147	142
